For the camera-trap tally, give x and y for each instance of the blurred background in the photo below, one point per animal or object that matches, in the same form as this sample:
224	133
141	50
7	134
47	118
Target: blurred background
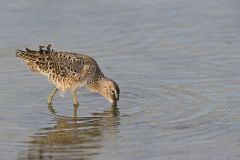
176	62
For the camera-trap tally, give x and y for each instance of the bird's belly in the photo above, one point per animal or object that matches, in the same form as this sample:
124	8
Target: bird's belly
66	83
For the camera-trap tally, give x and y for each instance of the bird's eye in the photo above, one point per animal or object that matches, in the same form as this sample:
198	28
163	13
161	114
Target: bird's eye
112	91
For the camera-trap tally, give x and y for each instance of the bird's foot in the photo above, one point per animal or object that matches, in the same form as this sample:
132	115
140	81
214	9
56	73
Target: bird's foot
76	104
51	109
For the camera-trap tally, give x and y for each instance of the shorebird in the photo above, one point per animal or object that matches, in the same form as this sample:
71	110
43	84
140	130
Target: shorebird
69	71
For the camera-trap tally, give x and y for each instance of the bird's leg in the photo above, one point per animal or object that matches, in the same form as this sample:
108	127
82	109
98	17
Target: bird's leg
50	97
75	112
75	100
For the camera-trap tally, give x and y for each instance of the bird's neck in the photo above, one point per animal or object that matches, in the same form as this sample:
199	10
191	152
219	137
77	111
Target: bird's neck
98	84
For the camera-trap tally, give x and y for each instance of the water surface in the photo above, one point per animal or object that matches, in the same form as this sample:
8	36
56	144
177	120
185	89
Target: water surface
176	62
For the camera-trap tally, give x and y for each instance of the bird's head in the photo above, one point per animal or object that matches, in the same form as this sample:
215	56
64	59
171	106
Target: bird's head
108	89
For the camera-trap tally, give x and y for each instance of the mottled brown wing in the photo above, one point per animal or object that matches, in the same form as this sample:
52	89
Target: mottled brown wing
58	64
69	66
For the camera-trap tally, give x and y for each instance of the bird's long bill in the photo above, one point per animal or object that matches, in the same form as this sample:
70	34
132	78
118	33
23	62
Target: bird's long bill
114	103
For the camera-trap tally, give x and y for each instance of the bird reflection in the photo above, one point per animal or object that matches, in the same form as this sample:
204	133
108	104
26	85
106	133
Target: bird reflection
73	137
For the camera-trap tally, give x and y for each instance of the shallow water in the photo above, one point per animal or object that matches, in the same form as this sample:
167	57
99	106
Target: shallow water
176	62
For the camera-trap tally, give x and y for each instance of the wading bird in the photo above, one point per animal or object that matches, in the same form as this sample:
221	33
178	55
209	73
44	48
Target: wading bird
69	71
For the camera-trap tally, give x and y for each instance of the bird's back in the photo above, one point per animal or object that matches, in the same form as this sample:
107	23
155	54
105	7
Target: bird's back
67	70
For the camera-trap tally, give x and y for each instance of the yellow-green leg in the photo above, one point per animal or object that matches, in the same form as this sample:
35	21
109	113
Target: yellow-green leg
50	97
75	100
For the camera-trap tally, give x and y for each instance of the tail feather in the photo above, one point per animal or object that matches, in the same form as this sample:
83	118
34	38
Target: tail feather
29	50
27	55
34	60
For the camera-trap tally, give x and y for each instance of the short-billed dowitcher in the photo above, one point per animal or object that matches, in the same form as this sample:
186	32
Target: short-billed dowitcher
69	71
